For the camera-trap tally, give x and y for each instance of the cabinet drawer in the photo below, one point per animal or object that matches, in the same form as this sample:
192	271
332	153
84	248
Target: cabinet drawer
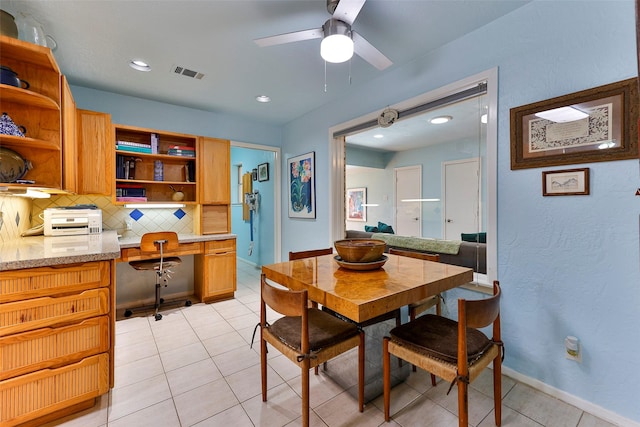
38	313
47	347
37	282
218	246
34	395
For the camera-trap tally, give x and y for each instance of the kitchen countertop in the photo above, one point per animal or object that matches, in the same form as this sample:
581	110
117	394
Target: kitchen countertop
42	251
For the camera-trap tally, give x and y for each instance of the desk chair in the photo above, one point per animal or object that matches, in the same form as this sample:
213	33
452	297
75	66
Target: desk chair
306	336
455	351
156	244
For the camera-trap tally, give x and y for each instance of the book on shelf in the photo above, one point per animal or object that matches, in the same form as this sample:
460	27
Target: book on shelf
133	144
134	149
130	191
154	143
126	166
182	147
130	199
183	153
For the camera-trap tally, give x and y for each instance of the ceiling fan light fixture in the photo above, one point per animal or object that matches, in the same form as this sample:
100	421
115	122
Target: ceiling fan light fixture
337	45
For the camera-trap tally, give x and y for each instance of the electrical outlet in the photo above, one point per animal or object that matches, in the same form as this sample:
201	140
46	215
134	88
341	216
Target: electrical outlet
572	349
128	224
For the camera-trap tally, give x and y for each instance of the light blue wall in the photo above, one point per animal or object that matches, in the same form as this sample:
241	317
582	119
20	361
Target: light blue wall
263	236
128	110
568	265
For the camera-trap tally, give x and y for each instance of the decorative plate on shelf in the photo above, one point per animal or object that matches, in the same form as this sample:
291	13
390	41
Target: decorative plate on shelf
12	165
361	266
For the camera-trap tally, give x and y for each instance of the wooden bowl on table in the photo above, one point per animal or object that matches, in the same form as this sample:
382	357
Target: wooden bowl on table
360	250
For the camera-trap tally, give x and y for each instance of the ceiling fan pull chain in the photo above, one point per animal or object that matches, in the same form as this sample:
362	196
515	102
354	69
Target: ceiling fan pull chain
350	61
325	76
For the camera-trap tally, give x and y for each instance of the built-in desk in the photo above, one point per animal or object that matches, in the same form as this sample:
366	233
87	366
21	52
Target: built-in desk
214	262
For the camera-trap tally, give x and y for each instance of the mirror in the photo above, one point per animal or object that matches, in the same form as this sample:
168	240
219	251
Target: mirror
422	175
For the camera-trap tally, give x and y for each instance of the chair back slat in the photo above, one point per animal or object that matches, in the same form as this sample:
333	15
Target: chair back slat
284	301
308	254
148	241
481	313
418	255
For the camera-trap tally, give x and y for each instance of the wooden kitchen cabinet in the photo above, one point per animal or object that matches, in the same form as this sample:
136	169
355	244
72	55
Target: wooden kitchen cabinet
95	153
37	108
56	340
215	175
213	215
69	143
215	271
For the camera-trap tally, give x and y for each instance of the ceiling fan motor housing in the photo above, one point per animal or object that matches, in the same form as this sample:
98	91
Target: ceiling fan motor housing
331	6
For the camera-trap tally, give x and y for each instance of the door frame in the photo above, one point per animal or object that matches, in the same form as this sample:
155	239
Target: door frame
276	176
395	195
337	161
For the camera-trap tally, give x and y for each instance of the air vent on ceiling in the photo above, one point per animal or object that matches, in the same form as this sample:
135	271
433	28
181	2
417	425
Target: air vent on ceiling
187	72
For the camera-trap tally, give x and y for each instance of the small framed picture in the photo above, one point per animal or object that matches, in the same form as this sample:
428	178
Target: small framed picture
356	201
568	182
263	172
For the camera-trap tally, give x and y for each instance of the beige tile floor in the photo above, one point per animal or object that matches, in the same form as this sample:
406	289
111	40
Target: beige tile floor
195	368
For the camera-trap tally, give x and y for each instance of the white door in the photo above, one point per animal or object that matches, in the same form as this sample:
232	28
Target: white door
461	193
408	182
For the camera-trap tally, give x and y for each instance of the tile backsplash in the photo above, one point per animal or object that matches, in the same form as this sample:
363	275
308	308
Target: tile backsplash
19	214
15	217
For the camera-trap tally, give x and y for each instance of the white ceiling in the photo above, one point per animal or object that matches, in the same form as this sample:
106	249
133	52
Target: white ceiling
97	38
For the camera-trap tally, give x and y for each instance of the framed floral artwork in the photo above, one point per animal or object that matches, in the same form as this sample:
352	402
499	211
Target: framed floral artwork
302	186
263	172
356	201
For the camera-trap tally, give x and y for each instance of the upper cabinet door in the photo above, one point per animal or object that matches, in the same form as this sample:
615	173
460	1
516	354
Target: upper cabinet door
69	144
214	156
95	153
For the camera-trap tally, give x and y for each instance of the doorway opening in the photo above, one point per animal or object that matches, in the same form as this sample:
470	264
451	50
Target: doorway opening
258	237
483	146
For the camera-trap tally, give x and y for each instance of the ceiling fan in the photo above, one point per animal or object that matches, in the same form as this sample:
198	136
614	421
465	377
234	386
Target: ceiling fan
339	41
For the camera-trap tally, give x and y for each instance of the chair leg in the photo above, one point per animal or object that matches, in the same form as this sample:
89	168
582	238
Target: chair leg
412	317
157	303
463	404
497	389
263	367
386	377
361	373
305	393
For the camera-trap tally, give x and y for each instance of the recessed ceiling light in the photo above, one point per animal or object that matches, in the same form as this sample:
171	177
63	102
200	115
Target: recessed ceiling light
440	119
139	64
378	136
263	98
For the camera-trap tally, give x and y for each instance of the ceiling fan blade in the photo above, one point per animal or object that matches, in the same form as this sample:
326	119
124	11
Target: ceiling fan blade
296	36
348	10
366	51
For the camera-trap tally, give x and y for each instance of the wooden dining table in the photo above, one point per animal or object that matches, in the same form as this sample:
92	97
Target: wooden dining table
363	295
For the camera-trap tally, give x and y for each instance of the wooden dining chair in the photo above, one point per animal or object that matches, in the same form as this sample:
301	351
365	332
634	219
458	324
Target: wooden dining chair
419	307
305	335
455	351
310	253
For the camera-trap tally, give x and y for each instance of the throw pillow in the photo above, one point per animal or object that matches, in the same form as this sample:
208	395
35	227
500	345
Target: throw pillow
384	228
474	237
371	228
